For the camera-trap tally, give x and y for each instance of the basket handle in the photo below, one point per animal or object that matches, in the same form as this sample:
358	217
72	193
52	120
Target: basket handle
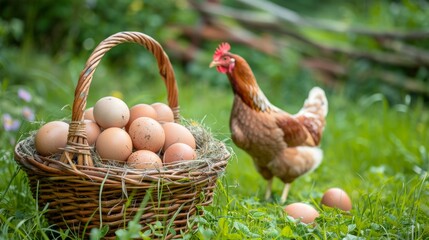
77	150
164	66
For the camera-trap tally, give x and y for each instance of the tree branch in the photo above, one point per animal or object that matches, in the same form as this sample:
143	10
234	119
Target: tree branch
330	25
393	51
265	22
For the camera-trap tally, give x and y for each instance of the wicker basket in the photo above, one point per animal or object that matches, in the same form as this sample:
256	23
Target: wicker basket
81	193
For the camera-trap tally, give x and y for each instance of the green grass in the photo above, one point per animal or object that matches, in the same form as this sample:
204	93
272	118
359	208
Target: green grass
376	152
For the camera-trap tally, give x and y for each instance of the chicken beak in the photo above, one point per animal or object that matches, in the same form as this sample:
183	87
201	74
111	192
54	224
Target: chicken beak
214	63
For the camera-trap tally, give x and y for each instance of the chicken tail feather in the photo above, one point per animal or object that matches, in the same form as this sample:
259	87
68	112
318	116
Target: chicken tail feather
312	114
316	102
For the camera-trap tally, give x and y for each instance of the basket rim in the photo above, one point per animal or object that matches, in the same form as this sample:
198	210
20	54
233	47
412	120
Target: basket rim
187	171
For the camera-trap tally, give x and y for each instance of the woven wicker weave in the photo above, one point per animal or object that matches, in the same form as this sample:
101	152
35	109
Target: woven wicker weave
82	193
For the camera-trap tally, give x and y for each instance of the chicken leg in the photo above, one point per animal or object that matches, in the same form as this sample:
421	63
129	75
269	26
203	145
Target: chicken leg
285	193
268	190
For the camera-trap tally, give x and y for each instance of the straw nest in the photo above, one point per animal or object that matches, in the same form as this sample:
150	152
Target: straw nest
208	150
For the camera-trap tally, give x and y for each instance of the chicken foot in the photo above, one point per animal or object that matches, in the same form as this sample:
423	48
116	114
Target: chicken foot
284	193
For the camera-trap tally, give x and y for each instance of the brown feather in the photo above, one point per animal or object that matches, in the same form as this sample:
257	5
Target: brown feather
244	84
314	127
294	132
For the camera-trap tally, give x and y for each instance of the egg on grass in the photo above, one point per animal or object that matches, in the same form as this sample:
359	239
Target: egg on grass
302	211
337	198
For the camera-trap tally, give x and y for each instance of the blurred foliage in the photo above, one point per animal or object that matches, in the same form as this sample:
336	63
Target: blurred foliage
47	42
70	26
377	14
359	45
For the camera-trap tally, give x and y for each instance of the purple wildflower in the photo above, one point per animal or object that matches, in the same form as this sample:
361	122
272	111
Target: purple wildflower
28	113
24	95
9	124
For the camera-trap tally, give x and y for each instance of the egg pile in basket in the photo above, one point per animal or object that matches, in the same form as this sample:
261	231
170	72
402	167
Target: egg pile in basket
84	190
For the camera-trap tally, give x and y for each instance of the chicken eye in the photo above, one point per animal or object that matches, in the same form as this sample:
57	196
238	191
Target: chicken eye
225	58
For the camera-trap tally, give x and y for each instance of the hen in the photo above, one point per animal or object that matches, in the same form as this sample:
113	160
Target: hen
281	144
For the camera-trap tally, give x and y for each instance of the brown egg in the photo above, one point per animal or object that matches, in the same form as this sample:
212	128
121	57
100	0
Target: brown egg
164	112
175	133
179	152
114	144
50	137
141	110
111	112
92	131
144	159
89	114
304	212
337	198
147	134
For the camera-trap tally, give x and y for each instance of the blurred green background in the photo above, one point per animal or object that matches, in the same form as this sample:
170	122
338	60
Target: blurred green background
44	43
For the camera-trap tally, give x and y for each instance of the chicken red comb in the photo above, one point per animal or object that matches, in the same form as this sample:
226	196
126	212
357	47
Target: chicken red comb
222	49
